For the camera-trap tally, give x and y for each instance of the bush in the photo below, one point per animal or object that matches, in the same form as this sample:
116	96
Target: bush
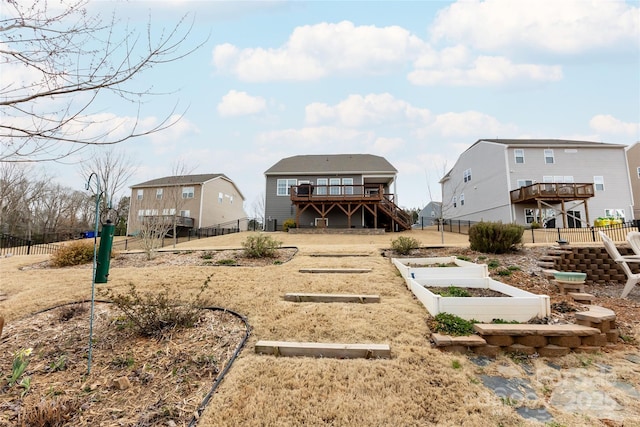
287	224
153	313
495	237
454	291
260	246
404	245
75	253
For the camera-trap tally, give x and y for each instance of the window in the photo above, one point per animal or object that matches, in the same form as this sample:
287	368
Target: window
159	193
519	155
186	213
528	216
154	212
524	182
548	157
220	197
140	214
140	194
230	200
187	192
334	186
467	175
166	212
598	182
321	186
348	183
284	186
462	199
455	200
638	170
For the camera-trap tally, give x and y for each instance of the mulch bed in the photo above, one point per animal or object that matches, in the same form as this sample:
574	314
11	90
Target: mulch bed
134	381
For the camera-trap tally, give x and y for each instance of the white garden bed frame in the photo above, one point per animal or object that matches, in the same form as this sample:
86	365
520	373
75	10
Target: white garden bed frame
518	305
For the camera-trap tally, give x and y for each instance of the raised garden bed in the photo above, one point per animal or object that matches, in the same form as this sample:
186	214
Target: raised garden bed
513	305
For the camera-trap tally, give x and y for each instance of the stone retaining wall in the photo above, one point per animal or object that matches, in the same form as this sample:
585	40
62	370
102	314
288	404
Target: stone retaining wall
596	262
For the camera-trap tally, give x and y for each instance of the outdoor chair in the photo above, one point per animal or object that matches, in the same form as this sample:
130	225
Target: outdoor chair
633	238
632	279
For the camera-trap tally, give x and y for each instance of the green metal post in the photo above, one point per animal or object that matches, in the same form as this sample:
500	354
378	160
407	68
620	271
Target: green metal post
104	254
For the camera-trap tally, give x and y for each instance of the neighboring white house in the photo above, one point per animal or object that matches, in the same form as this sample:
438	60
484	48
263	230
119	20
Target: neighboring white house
555	183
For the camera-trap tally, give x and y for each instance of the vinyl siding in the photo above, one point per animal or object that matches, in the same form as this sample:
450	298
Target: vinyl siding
215	213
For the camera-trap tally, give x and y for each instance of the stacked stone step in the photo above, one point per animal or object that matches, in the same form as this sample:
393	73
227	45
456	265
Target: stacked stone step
602	319
544	340
567	286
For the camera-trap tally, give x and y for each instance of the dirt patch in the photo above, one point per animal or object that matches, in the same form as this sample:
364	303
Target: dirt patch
470	292
133	381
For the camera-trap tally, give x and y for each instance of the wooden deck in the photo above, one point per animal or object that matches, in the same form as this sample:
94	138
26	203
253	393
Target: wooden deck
552	192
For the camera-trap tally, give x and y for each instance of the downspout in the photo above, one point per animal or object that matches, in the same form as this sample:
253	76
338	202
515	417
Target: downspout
512	208
201	204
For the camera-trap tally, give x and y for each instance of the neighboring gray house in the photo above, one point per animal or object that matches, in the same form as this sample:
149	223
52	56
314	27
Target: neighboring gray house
554	183
197	201
333	191
430	214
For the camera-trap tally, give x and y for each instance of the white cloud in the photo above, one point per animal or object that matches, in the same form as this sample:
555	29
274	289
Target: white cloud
608	124
566	27
484	70
310	140
372	109
236	103
472	124
314	51
387	145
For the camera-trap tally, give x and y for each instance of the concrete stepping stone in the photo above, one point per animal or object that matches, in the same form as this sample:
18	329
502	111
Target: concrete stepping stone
332	350
335	270
304	297
584	396
539	414
513	389
633	358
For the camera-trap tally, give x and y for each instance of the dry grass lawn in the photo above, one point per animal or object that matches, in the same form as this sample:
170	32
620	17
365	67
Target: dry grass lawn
418	386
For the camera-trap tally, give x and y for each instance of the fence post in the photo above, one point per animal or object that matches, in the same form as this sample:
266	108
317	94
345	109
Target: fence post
593	233
126	242
29	247
533	236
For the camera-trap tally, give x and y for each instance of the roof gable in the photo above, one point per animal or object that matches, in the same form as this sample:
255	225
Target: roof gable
332	163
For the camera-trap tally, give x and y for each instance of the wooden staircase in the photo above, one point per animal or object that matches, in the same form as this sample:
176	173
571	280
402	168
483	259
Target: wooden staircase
397	215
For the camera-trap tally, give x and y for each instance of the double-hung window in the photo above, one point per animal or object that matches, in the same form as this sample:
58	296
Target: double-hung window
462	199
187	192
548	157
455	201
334	186
467	175
598	182
321	186
519	155
140	194
348	185
284	186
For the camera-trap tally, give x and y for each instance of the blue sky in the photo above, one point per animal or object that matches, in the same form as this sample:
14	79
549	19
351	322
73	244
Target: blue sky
415	82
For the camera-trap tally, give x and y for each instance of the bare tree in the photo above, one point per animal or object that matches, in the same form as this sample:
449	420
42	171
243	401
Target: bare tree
58	65
258	209
114	170
175	197
152	231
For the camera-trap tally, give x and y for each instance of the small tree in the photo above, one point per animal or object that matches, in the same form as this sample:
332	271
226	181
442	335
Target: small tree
152	231
495	237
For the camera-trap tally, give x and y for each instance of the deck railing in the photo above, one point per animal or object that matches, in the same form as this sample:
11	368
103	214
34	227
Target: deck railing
552	191
310	192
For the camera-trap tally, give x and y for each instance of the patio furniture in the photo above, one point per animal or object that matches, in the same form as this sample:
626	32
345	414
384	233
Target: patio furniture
633	238
632	278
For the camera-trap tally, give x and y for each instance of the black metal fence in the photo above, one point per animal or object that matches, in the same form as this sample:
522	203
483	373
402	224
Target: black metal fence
12	245
617	232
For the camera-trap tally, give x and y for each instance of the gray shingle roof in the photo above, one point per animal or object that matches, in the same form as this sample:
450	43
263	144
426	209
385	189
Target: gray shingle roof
332	163
180	180
549	143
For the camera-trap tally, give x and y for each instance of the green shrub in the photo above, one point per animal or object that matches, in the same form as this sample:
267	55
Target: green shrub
493	263
503	272
495	237
153	313
226	262
404	245
75	253
287	224
451	324
260	246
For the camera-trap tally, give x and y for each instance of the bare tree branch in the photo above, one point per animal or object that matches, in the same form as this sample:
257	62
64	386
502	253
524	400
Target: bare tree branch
61	64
